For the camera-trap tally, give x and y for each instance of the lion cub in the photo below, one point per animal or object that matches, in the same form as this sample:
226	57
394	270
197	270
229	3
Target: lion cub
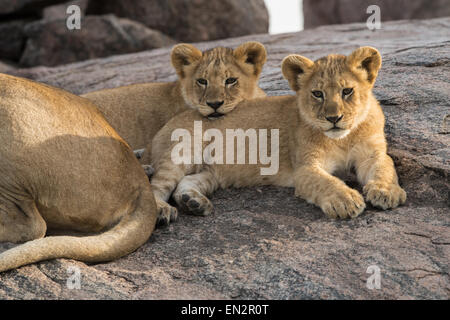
211	82
334	123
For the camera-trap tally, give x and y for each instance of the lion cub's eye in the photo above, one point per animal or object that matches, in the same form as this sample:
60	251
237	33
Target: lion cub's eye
230	81
347	92
202	82
318	94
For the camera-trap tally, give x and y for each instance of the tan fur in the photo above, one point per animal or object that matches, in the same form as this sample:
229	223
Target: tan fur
62	166
138	111
309	152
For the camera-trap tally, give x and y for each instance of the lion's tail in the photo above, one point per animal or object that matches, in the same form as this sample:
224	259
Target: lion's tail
129	234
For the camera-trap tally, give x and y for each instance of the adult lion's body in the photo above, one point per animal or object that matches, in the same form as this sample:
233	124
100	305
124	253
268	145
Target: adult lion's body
138	111
62	166
320	134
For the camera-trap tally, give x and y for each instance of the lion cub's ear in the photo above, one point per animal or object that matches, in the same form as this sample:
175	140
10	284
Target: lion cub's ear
293	67
367	59
253	53
183	55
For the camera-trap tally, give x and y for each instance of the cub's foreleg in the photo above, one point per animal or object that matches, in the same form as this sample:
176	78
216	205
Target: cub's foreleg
165	179
192	192
331	194
377	174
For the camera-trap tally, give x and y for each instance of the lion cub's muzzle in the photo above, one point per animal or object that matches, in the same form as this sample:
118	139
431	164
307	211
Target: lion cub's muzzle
215	106
215	115
338	129
334	120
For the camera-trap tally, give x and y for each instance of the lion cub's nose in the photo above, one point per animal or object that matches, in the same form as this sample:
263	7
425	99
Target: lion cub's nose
334	119
215	105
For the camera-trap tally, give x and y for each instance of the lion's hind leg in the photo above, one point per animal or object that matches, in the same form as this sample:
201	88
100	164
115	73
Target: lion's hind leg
20	221
192	190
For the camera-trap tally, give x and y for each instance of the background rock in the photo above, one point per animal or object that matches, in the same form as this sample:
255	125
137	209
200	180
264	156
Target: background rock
323	12
197	20
265	243
59	11
145	25
12	39
11	7
51	43
6	67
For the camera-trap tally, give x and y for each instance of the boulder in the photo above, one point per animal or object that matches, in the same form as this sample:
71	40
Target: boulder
59	11
18	7
323	12
197	20
12	39
51	43
6	67
262	242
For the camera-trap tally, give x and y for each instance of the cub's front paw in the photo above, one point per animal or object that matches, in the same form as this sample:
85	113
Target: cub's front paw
383	195
166	213
343	204
194	202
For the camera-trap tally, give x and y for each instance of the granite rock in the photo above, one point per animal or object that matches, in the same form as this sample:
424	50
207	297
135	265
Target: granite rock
21	7
324	12
50	43
196	20
12	40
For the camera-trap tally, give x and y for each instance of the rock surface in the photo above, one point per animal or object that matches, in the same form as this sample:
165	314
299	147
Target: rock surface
59	11
12	39
324	12
50	43
17	7
265	243
186	20
6	68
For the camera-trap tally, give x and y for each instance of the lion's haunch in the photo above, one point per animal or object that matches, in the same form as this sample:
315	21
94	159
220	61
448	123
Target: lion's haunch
63	166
